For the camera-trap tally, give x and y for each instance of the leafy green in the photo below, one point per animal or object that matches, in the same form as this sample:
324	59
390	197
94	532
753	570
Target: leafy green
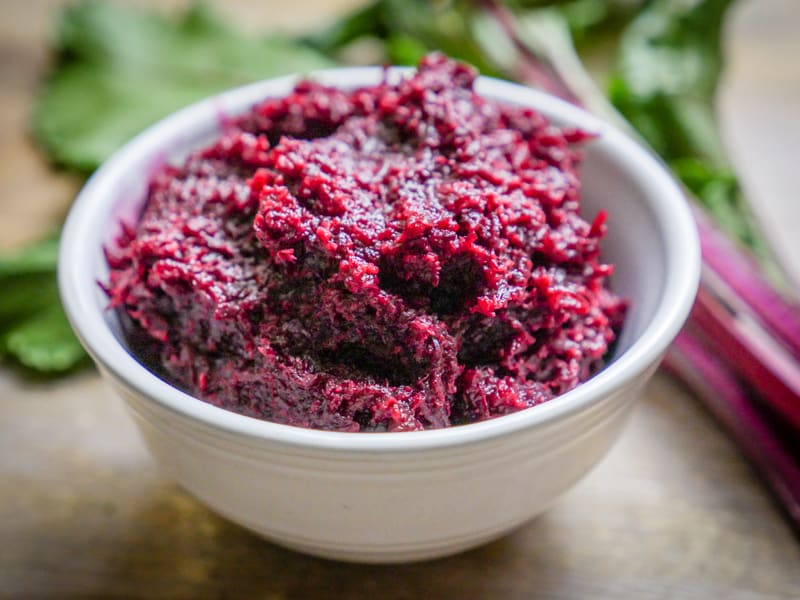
407	29
588	21
120	70
664	83
34	331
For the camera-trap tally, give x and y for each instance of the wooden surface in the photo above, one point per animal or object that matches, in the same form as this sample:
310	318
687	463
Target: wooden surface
673	512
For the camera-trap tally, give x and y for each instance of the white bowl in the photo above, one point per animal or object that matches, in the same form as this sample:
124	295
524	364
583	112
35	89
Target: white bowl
384	497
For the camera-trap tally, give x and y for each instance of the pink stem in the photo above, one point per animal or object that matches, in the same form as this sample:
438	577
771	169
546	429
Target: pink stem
740	273
723	394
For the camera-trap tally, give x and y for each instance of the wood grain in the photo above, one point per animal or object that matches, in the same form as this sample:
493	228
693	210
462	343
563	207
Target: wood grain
673	512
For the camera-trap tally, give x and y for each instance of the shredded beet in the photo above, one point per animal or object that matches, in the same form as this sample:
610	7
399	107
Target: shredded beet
397	257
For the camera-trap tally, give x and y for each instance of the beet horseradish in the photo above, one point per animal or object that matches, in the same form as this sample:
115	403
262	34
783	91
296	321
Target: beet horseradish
396	257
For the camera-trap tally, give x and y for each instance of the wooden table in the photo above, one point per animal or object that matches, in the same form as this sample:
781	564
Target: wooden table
673	512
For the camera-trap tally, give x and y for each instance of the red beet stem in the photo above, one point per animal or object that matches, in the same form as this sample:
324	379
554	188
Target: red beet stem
725	396
739	272
750	352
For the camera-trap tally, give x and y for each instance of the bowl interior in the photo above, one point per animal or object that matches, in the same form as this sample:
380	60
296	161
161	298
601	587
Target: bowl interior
651	238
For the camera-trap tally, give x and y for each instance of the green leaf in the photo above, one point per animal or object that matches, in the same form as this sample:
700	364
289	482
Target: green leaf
364	22
665	81
44	342
35	258
408	29
34	331
120	70
25	294
666	77
403	49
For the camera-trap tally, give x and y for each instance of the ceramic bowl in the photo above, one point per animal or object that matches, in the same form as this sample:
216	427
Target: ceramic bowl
387	497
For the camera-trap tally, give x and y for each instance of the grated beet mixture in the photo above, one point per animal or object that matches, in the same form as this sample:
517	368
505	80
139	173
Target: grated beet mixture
392	258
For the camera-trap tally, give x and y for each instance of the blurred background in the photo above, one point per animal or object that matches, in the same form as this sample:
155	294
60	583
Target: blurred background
676	511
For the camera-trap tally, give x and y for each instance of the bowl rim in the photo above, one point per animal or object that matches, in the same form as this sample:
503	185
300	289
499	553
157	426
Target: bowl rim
669	206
